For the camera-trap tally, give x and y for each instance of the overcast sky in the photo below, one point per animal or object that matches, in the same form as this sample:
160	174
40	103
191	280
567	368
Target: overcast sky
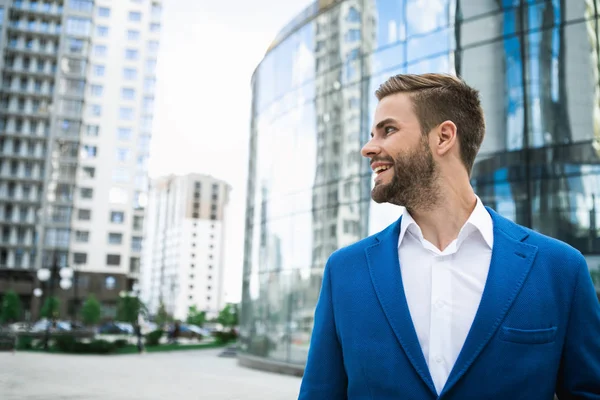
209	50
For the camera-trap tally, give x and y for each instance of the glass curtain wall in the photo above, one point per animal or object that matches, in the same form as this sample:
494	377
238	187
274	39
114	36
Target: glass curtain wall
537	66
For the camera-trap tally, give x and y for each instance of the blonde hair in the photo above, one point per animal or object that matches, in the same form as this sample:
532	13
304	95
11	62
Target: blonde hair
440	97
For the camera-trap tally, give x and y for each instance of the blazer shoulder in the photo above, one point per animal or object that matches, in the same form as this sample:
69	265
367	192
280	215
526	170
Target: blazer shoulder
352	251
558	256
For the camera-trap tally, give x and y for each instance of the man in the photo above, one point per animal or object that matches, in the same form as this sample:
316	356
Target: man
452	301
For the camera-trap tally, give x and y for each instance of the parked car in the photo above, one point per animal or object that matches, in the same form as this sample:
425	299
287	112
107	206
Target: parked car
42	325
116	328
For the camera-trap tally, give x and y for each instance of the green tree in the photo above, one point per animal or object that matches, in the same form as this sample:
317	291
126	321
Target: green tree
195	316
229	315
162	316
129	308
91	311
11	307
51	308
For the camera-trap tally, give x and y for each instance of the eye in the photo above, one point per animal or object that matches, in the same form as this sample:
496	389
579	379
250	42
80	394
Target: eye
389	129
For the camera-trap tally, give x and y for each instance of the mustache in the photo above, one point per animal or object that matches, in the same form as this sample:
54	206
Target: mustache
382	159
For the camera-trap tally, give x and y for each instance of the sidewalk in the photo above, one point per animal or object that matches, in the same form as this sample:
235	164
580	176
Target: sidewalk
178	375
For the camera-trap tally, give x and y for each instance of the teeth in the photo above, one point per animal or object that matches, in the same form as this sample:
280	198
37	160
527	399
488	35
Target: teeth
381	168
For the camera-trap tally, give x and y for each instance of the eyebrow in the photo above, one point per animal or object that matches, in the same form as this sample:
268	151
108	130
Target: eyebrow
384	122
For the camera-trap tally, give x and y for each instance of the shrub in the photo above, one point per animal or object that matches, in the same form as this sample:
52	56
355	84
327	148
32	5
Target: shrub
25	342
225	336
101	347
65	343
153	338
120	343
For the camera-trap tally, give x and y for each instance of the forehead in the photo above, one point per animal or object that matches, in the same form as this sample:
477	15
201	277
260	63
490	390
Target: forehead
398	106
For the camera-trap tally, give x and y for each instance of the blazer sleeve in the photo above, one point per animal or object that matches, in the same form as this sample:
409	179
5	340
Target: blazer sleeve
579	373
324	375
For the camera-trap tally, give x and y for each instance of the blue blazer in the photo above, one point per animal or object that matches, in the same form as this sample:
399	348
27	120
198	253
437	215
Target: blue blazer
536	332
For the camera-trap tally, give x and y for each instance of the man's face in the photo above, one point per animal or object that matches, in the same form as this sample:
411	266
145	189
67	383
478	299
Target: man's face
405	171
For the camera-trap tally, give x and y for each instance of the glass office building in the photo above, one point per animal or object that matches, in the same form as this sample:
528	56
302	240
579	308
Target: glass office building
536	64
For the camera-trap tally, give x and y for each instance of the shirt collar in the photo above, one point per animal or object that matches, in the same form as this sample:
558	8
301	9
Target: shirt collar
479	220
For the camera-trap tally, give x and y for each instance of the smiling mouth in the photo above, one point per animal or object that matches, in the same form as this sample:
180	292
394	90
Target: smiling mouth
381	169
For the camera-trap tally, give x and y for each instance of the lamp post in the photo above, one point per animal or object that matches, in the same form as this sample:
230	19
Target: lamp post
50	274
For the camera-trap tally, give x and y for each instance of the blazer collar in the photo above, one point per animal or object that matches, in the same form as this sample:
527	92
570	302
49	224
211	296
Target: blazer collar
509	267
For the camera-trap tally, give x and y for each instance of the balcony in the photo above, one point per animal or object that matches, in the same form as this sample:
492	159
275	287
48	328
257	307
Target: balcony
26	113
20	91
13	70
17	48
37	9
35	30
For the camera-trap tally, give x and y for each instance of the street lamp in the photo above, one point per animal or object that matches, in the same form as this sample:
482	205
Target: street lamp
50	274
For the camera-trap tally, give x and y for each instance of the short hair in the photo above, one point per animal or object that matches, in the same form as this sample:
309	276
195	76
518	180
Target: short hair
440	97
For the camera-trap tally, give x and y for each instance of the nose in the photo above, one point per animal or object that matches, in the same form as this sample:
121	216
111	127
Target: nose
370	149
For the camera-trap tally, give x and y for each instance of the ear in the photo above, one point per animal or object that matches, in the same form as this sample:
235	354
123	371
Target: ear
446	137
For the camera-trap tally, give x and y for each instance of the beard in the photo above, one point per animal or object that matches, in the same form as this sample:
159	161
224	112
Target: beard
415	181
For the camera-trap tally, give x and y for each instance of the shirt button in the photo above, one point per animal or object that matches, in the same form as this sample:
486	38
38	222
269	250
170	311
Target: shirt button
439	360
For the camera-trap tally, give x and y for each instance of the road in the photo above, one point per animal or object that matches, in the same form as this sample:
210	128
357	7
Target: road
178	375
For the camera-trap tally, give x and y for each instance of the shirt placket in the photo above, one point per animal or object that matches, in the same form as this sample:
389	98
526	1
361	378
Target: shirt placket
440	332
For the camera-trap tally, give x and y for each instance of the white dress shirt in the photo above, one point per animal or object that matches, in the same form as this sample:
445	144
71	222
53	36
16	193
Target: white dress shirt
444	288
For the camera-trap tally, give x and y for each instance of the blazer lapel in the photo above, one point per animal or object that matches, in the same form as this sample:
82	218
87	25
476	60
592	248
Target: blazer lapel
384	267
511	262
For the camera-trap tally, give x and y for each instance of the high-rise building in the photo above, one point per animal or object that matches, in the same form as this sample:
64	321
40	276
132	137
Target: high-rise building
184	242
535	64
76	106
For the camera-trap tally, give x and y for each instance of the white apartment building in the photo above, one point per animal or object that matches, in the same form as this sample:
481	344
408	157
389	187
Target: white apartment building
182	265
76	113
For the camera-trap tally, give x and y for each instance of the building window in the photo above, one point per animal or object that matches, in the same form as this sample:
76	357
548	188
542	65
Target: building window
148	105
135	16
156	10
99	70
82	236
123	154
86	193
100	50
96	90
79	26
133	35
84	215
124	133
153	46
131	54
138	222
104	12
89	172
126	113
134	264
92	130
149	84
88	152
136	243
117	217
79	258
128	93
129	74
81	5
102	31
151	66
113	259
95	110
115	238
154	27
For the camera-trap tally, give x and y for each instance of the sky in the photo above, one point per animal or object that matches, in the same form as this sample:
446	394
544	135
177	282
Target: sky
209	50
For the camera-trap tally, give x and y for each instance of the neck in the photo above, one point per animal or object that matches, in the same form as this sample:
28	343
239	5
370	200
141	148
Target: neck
442	223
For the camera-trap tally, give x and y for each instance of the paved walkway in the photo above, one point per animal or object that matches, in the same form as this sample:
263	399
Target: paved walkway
179	375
